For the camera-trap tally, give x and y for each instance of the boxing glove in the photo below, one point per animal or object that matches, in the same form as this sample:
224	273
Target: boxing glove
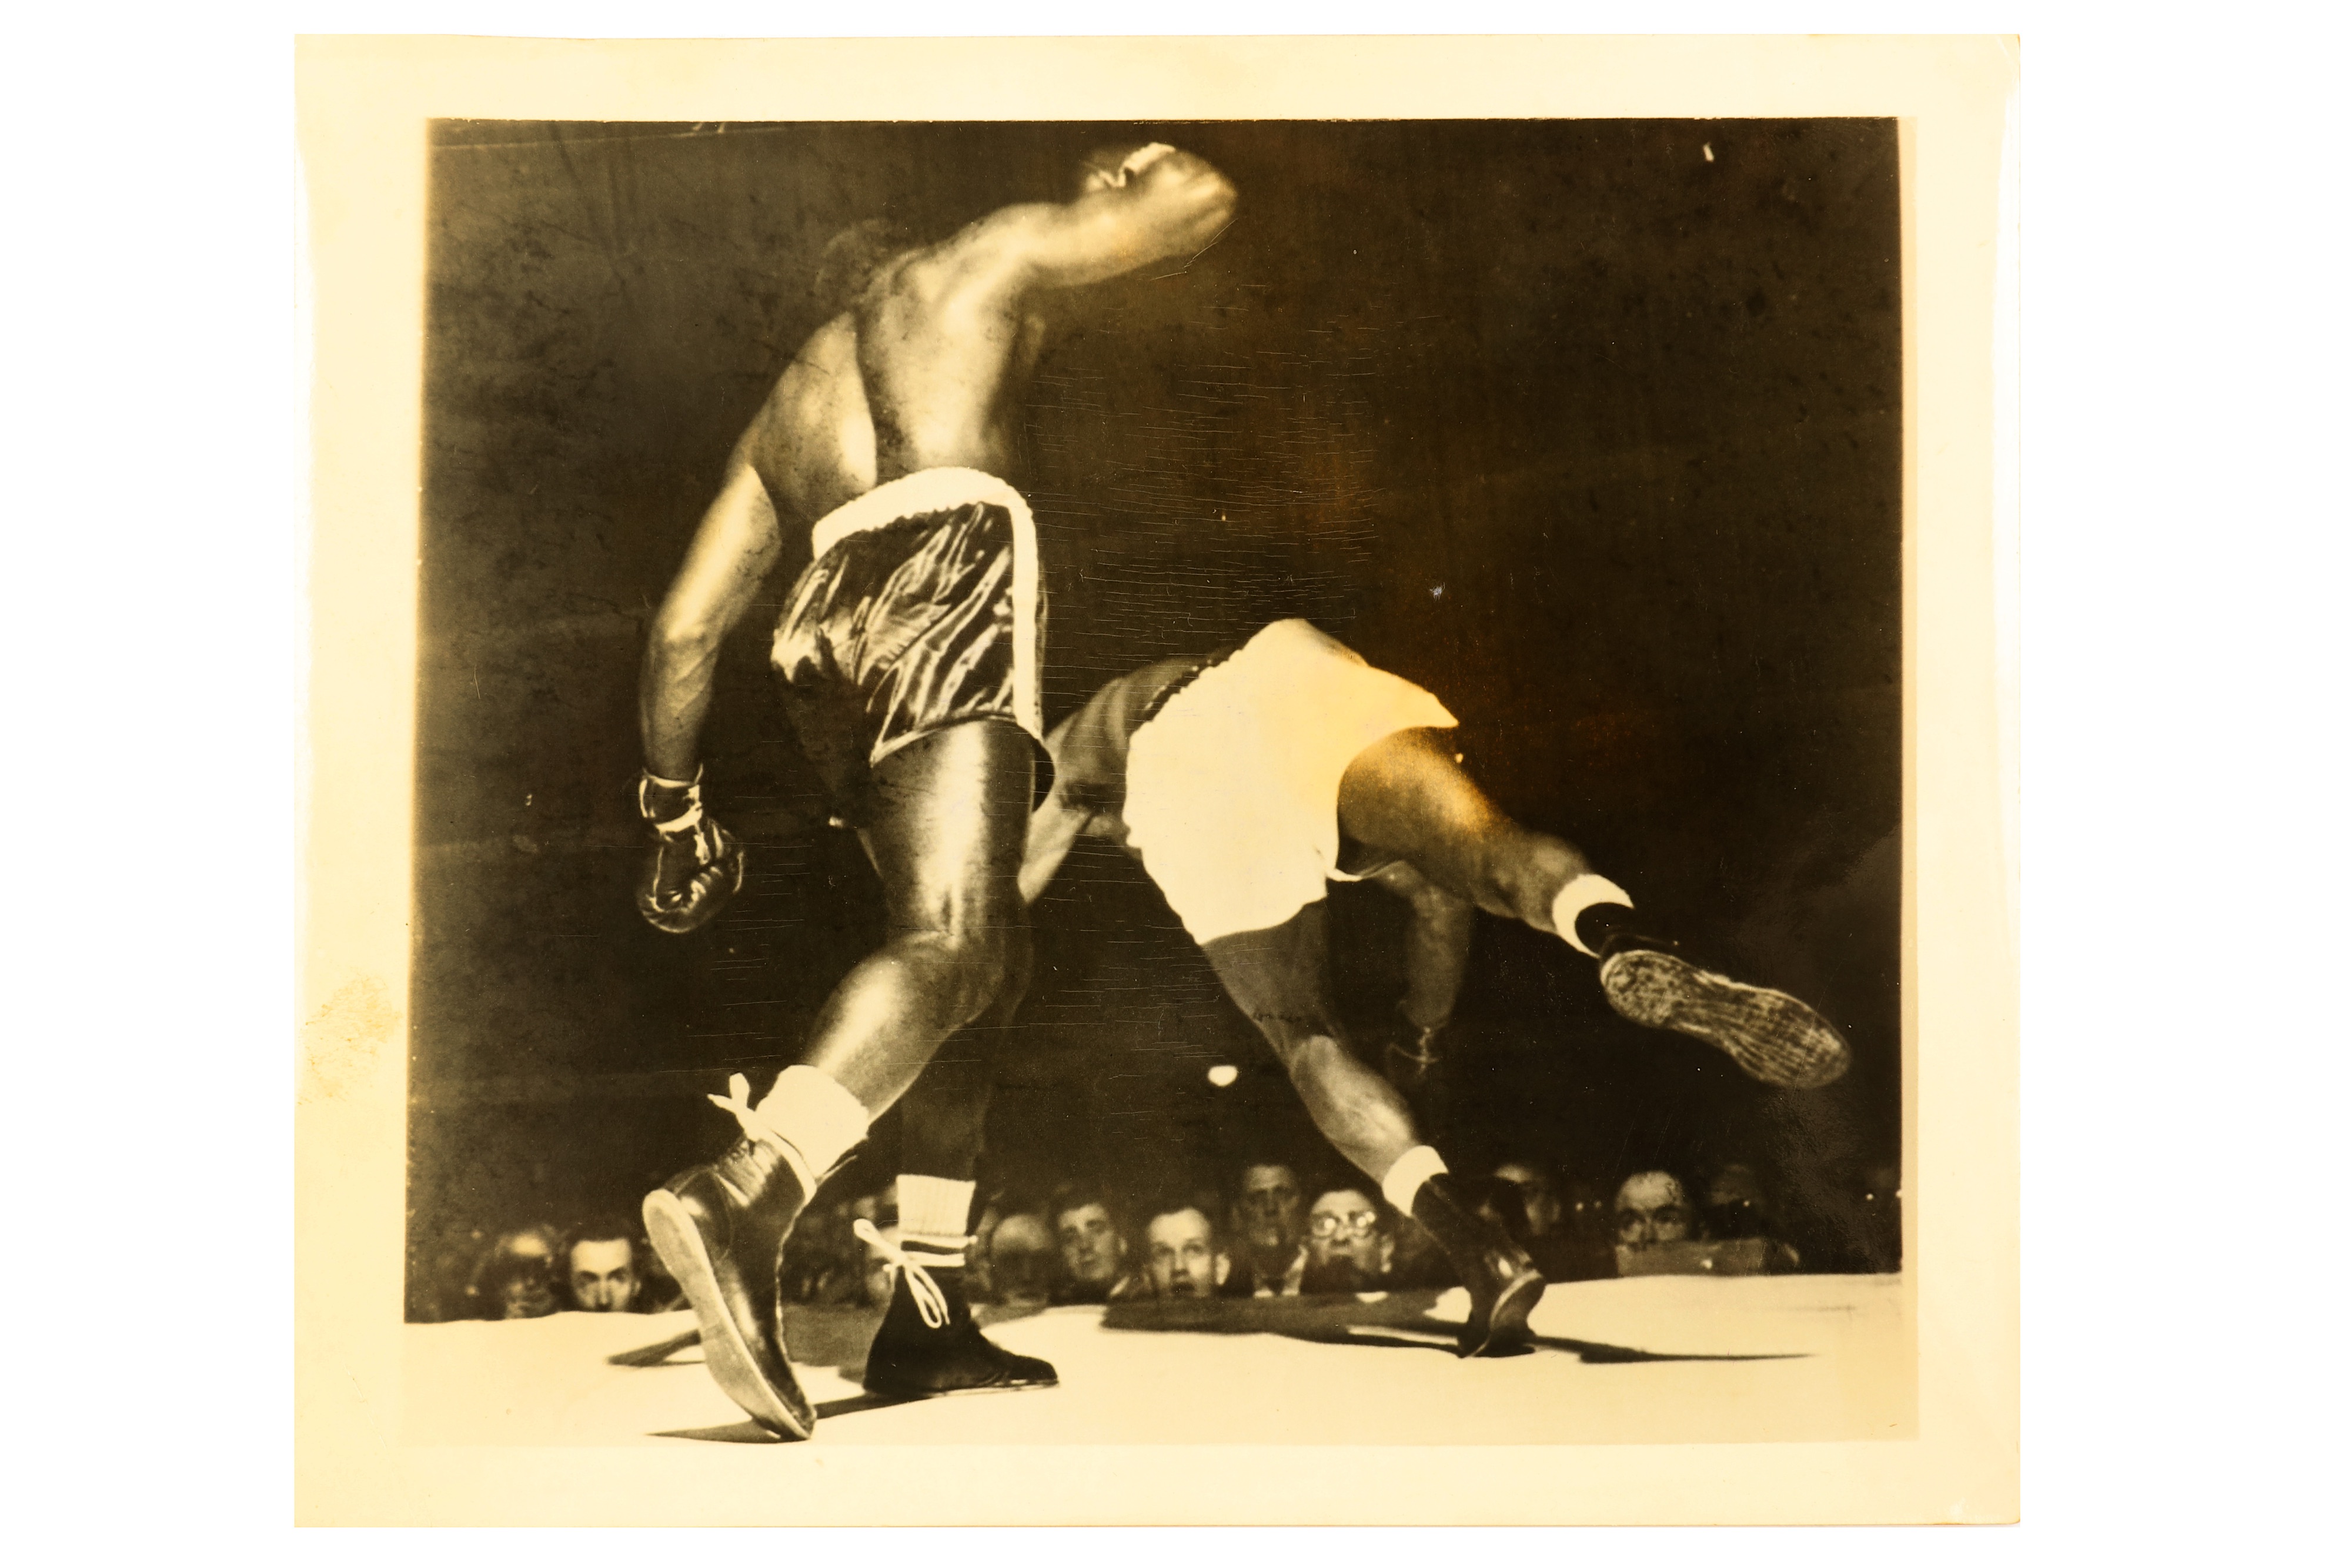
695	866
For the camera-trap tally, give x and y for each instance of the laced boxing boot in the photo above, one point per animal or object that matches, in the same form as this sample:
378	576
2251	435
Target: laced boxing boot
1503	1280
720	1231
928	1344
1773	1037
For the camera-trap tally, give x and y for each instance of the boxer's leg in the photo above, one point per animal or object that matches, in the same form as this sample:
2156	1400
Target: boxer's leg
1406	796
1436	944
917	1352
1280	978
949	814
944	1119
1437	955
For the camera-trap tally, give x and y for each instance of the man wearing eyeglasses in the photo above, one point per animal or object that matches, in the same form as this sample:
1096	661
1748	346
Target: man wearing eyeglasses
1349	1244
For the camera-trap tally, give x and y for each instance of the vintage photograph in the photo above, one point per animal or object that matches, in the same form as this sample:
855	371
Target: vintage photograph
1226	780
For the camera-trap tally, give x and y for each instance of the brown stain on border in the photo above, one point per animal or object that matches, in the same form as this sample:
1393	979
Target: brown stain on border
343	1040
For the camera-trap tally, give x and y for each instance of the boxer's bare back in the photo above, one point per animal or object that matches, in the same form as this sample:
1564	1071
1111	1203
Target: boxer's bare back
939	398
921	372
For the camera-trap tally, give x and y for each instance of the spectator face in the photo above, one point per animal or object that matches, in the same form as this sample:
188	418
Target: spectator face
1345	1226
536	1242
1183	1256
520	1288
976	1278
525	1296
516	1280
1735	1204
1588	1210
881	1274
603	1276
1882	1196
1537	1193
1020	1260
1092	1248
1652	1208
1269	1209
878	1210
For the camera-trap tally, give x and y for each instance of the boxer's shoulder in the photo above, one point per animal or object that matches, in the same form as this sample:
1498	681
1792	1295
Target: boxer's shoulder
812	443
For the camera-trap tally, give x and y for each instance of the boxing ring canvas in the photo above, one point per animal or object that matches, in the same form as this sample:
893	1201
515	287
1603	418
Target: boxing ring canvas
1801	1359
1633	397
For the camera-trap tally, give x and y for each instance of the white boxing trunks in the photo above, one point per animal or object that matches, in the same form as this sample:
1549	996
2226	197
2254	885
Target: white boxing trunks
1233	789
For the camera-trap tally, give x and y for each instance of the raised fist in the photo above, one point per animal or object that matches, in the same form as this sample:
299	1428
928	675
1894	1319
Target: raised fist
695	865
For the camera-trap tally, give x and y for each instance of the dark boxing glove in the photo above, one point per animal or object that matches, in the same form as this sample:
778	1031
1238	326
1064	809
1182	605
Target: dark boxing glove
695	865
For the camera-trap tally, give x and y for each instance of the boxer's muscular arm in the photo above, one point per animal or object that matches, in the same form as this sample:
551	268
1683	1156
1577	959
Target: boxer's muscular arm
1163	204
1054	826
1052	831
732	552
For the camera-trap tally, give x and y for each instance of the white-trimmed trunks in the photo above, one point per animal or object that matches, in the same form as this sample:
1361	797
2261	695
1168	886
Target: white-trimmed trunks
921	609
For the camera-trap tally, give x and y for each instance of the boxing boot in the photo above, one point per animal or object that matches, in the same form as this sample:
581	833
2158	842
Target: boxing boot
720	1231
928	1344
1502	1280
1773	1037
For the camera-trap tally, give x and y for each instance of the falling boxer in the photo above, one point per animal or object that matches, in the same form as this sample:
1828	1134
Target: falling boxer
1246	783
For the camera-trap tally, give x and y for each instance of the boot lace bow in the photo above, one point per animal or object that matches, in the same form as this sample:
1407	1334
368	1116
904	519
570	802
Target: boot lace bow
929	1299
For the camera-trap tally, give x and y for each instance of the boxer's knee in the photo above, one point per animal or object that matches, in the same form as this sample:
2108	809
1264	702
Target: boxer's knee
984	961
1521	870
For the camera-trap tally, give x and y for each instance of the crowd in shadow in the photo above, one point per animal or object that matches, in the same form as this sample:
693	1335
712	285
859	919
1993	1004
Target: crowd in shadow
1266	1232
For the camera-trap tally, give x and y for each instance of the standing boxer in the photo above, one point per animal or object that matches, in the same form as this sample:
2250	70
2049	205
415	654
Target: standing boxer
908	655
1246	783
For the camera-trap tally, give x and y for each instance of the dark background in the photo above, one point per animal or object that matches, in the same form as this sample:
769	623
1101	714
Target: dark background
1596	436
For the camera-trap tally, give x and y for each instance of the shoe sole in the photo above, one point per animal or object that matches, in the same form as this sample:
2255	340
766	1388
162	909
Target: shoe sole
1773	1037
1506	1325
732	1365
885	1392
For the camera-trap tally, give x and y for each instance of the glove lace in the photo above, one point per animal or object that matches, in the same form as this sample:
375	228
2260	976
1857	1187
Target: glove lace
1417	1044
687	820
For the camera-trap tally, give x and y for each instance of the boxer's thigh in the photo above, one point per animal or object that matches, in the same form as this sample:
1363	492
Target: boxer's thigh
950	817
1280	978
1406	796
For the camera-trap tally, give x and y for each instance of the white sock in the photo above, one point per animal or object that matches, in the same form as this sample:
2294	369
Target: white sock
1412	1167
932	1214
1580	894
817	1117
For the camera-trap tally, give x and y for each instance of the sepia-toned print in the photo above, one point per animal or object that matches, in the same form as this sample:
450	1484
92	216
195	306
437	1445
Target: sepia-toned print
1226	781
